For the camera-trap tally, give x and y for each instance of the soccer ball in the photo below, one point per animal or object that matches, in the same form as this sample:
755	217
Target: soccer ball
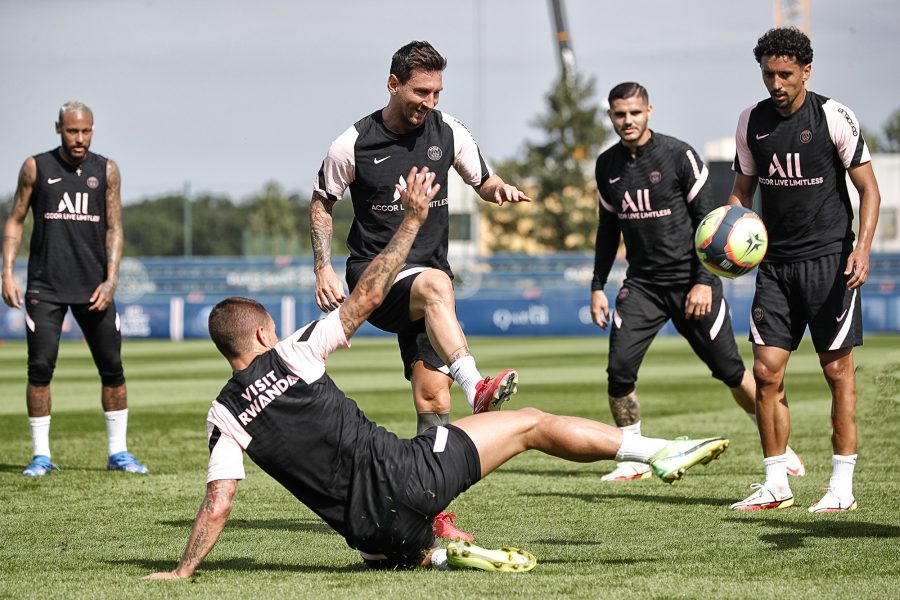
731	241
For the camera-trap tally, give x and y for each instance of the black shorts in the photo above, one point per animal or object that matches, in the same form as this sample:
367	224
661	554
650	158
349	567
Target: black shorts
643	308
441	464
393	316
790	296
44	322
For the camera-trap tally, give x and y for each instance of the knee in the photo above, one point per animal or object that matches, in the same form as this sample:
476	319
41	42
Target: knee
764	376
532	416
435	287
838	373
432	394
40	372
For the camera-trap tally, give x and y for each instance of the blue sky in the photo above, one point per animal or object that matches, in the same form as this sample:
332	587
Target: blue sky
228	95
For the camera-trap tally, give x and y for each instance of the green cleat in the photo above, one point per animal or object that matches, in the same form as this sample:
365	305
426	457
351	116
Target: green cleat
671	463
508	560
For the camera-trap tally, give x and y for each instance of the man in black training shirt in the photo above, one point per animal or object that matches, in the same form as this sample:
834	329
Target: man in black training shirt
75	250
378	491
653	192
799	147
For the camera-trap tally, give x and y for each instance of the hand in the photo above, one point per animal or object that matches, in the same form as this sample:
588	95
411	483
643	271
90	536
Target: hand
698	303
857	269
12	293
509	193
329	289
418	194
600	308
163	575
102	296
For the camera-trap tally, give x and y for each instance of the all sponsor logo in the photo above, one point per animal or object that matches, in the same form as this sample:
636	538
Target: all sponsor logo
787	171
655	177
638	206
69	210
435	153
805	136
93	182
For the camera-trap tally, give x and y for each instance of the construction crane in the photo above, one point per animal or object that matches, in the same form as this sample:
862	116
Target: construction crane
792	12
564	44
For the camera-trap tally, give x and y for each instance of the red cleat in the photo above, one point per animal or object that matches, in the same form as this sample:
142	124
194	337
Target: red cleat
444	527
491	393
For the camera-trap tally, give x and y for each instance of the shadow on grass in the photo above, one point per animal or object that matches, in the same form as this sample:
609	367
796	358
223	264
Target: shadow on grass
596	561
544	472
273	524
795	534
239	564
654	498
4	468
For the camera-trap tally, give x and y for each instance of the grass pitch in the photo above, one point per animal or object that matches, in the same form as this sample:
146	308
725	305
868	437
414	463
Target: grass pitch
85	532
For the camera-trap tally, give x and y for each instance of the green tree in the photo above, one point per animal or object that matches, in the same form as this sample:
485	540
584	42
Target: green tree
558	174
872	140
154	227
892	133
273	222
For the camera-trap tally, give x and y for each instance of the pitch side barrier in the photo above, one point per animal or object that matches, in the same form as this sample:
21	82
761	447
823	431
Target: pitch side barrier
170	298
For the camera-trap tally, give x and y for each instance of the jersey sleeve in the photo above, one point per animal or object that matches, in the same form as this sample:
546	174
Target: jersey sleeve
305	351
743	159
227	441
693	178
467	159
846	134
338	170
608	234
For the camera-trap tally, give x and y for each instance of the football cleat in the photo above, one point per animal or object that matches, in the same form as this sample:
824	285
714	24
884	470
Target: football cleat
507	560
764	498
832	503
628	471
444	527
39	466
794	465
491	393
125	461
677	456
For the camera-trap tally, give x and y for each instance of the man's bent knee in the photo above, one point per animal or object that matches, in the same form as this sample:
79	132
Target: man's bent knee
433	285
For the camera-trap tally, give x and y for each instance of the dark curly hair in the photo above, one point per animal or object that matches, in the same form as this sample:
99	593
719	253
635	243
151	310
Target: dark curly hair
784	41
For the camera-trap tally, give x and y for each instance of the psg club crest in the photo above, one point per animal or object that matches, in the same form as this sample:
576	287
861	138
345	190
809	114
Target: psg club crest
805	136
93	182
435	153
623	294
655	177
757	313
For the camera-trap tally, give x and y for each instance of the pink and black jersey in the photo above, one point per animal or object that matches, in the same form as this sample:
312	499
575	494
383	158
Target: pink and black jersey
67	259
291	419
370	159
655	199
801	163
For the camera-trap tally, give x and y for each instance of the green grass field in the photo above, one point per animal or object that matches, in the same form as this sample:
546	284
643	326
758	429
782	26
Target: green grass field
86	532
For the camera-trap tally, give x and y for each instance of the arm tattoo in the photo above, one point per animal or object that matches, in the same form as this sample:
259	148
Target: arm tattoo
321	229
211	518
114	235
626	410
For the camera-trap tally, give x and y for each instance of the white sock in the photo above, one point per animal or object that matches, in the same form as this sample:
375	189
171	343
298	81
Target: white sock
638	448
842	467
439	559
116	430
466	374
776	473
40	435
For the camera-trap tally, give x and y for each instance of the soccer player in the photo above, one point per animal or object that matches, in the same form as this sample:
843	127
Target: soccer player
799	147
369	158
378	491
653	193
73	263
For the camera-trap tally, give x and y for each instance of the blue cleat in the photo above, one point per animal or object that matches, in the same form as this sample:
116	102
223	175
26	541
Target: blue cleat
39	466
125	461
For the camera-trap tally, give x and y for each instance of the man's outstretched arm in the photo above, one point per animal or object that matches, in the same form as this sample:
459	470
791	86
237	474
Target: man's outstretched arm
378	277
210	522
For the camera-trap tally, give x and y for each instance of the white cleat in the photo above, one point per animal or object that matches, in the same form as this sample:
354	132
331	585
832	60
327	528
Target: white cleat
832	503
628	471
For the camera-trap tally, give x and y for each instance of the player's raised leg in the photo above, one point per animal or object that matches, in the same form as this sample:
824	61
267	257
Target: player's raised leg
431	297
499	437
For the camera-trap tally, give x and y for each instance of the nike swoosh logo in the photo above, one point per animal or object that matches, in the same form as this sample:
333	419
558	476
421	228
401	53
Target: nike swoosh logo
378	161
614	180
52	181
841	318
765	135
